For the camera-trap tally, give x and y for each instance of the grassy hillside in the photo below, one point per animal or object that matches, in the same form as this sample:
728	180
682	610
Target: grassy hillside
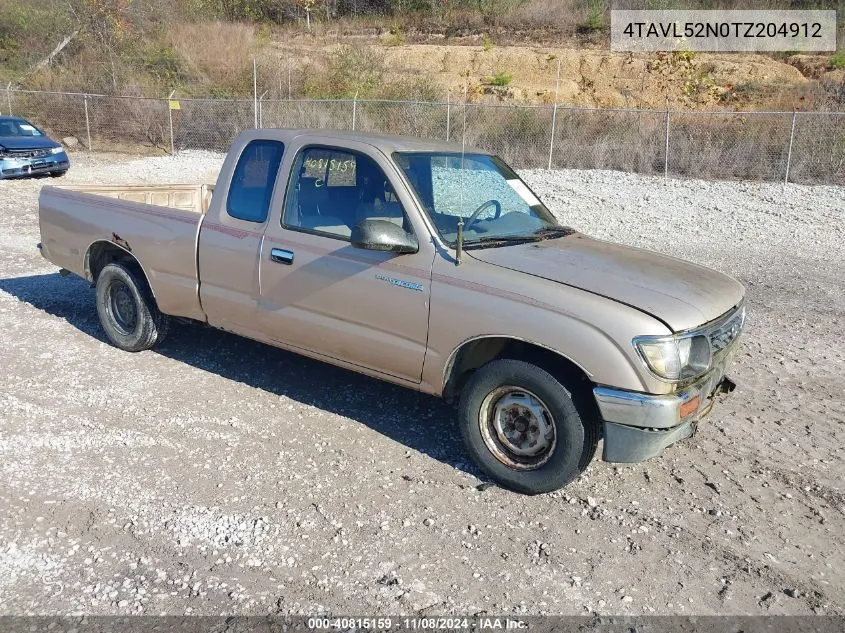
494	50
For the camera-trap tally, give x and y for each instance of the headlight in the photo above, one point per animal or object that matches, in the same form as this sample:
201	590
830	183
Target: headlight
57	150
678	357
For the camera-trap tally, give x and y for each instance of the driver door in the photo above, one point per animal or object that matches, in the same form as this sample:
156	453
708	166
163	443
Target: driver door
322	295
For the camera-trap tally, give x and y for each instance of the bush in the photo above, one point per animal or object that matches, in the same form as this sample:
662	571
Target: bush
837	60
163	64
394	39
349	71
499	79
595	16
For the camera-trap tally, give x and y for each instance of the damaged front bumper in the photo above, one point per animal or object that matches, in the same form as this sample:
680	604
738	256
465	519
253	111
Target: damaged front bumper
638	426
22	167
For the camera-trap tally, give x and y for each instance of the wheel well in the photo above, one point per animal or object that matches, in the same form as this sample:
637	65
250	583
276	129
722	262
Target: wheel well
475	354
100	254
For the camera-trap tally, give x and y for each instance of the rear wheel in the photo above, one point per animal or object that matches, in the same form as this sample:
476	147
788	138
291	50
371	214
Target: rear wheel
127	309
522	428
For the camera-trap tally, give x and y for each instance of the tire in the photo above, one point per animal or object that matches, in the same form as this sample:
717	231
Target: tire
57	174
127	309
504	394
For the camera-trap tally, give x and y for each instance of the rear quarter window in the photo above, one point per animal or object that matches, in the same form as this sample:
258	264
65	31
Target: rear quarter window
254	179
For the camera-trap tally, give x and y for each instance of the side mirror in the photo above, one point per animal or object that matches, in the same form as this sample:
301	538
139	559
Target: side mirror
383	235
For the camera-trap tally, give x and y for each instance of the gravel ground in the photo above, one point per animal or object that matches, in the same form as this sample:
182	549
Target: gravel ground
216	475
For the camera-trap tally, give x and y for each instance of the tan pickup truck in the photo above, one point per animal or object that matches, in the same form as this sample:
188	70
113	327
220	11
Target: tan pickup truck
428	265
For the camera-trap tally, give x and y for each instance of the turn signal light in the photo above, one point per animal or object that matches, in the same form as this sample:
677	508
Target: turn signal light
690	406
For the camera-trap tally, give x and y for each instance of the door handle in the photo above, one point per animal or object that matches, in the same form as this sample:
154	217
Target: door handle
281	256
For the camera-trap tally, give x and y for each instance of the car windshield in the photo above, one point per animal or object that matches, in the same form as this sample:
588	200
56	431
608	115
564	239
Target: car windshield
495	205
18	127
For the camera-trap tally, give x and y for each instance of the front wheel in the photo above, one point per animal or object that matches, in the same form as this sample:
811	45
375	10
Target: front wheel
128	312
522	428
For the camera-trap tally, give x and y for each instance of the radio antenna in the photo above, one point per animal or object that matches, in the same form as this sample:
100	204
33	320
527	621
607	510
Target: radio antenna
459	238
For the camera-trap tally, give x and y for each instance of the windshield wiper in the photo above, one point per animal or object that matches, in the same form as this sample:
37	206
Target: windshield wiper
492	240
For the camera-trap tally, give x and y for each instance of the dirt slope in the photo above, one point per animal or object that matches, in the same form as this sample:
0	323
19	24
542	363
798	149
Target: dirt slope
588	76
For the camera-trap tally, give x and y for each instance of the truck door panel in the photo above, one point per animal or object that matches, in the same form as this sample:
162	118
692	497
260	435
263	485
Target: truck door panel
361	306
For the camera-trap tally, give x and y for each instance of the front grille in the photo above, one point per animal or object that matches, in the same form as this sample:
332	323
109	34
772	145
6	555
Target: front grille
27	153
727	331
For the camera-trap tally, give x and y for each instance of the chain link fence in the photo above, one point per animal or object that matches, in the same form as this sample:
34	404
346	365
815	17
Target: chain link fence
800	147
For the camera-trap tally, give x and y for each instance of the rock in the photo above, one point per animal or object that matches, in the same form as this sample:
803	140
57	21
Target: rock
591	501
428	522
627	599
70	142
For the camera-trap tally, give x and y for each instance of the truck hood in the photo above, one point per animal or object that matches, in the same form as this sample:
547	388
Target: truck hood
27	142
681	294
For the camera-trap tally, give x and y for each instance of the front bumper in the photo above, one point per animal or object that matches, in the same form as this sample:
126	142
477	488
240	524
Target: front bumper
20	167
639	426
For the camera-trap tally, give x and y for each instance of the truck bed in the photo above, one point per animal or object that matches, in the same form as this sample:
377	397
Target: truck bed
157	224
188	197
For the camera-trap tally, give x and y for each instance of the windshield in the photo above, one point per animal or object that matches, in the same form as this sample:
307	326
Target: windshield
492	200
18	127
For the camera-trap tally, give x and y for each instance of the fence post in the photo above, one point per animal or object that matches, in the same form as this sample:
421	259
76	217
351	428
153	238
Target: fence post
87	121
261	108
552	139
666	143
255	90
170	121
9	96
448	114
789	153
554	115
464	131
354	110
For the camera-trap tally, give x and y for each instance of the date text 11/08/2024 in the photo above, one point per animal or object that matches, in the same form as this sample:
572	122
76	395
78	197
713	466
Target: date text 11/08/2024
415	624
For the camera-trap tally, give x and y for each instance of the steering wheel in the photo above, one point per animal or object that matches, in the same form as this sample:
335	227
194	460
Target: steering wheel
474	217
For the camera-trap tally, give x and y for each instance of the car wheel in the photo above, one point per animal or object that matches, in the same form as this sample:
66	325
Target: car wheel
57	174
127	309
522	428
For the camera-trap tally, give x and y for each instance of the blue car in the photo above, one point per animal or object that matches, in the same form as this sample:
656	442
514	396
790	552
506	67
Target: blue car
25	150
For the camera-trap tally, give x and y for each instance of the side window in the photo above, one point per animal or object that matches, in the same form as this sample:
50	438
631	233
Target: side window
332	190
253	181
